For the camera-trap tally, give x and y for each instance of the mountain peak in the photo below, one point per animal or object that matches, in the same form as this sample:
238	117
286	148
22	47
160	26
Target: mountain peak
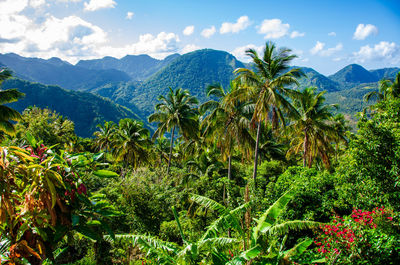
353	73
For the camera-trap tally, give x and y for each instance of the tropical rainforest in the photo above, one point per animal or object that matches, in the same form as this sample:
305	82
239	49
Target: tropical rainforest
257	167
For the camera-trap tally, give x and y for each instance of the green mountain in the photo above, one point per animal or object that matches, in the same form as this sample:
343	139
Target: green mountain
138	67
355	74
385	73
57	72
193	71
315	79
84	109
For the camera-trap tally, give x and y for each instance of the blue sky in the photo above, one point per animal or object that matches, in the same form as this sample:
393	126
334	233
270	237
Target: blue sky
326	35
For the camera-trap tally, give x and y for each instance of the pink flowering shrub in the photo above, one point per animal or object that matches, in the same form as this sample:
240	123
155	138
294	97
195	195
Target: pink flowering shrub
364	237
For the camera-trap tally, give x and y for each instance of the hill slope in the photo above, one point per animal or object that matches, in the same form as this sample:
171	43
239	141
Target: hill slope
193	71
84	109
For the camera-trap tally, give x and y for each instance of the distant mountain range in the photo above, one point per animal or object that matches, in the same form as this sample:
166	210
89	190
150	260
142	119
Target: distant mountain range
135	82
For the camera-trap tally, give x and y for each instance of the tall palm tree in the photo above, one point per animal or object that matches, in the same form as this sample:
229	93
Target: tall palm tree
313	127
104	137
266	86
7	113
176	111
226	124
131	142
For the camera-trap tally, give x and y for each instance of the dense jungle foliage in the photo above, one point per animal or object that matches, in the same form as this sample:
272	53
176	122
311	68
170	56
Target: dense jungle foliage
261	173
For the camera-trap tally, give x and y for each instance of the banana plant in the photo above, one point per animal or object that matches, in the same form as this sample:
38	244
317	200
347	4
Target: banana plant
211	248
263	247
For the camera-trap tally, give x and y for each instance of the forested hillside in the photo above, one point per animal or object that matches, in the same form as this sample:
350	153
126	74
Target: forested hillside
84	109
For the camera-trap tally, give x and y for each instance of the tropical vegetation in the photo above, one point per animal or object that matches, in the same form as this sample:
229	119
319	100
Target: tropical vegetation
260	171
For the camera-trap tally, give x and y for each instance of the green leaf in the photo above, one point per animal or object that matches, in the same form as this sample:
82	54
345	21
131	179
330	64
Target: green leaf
52	192
268	218
93	223
299	248
87	232
75	219
102	173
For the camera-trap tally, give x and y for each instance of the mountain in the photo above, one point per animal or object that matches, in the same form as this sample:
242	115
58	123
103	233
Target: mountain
193	71
385	73
315	79
354	73
138	67
57	72
84	109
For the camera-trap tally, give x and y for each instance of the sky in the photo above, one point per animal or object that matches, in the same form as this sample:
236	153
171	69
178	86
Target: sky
325	35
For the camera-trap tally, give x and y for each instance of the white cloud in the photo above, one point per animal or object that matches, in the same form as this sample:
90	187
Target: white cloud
363	31
273	28
8	7
189	48
331	51
158	46
70	38
332	34
241	23
296	34
318	49
319	46
208	32
94	5
383	51
129	15
188	30
240	52
36	3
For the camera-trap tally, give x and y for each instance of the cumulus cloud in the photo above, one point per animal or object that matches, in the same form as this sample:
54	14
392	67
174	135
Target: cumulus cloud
129	15
94	5
241	23
318	49
240	52
363	31
189	48
188	30
273	28
383	51
296	34
156	46
36	3
208	32
332	34
8	7
319	46
71	38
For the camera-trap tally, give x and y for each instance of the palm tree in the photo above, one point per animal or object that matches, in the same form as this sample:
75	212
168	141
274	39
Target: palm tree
340	126
267	87
104	137
226	124
313	128
7	113
387	89
176	111
131	142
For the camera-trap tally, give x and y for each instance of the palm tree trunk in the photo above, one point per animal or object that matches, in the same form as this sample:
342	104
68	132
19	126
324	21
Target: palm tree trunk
305	148
170	149
256	154
229	175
